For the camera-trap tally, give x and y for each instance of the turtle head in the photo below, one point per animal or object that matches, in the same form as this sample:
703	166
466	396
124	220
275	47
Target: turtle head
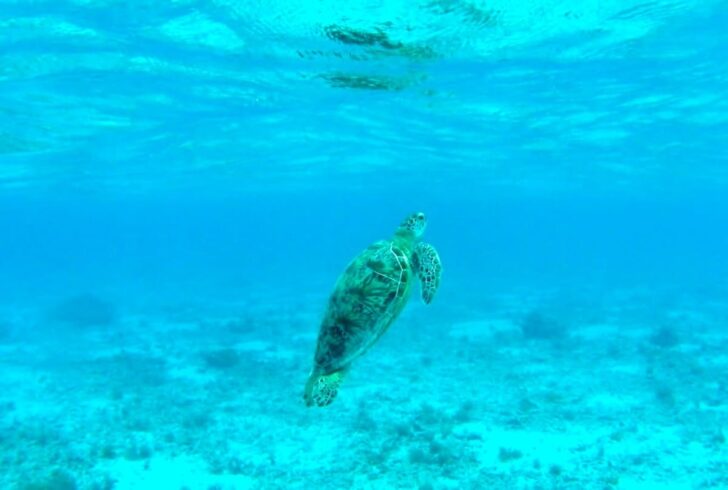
415	223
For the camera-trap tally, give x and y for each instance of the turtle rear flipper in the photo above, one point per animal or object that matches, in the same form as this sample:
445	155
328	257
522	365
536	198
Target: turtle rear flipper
429	269
321	389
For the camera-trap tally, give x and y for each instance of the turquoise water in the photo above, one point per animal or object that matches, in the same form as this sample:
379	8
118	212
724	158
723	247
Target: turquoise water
181	184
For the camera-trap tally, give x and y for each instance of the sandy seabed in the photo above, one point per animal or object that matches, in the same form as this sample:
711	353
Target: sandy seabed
497	394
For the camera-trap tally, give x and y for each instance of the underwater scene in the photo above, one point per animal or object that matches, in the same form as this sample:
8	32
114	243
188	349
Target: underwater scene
429	245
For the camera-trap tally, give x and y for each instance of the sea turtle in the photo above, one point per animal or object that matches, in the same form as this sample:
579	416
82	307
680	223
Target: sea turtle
367	298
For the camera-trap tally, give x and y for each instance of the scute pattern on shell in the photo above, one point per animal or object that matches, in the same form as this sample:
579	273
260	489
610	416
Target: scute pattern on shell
368	297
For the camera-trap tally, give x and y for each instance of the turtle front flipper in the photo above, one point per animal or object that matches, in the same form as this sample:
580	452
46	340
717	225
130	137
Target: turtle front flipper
429	269
321	389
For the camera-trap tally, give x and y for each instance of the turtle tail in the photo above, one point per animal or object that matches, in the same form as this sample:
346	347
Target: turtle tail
321	389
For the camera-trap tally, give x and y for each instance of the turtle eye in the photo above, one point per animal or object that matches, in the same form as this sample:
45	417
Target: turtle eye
420	217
